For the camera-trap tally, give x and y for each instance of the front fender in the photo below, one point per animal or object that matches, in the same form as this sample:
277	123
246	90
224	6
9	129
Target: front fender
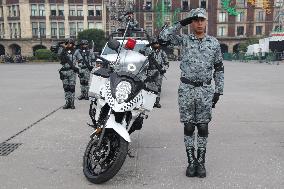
119	128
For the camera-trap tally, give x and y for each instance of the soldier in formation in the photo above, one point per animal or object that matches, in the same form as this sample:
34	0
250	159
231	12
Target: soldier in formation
158	65
85	67
201	63
68	56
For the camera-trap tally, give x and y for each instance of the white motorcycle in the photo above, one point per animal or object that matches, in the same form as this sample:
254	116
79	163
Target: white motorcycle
119	102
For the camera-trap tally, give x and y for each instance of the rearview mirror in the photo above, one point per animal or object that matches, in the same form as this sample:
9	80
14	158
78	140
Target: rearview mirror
113	44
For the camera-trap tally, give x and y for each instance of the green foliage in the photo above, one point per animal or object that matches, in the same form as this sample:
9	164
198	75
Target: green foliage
97	35
45	54
231	10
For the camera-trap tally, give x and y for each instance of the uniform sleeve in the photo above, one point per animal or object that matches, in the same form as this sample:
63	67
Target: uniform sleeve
78	56
172	35
218	71
165	61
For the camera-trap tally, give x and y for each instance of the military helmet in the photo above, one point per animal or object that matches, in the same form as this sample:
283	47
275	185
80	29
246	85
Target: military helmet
84	42
71	41
197	13
152	41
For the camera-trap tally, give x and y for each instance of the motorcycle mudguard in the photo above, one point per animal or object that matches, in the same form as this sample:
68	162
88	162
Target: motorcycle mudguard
119	128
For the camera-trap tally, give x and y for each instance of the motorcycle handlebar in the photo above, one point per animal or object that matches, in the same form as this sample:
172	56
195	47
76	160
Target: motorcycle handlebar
103	59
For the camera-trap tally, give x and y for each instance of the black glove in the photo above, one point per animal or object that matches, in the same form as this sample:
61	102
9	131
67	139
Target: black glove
76	70
185	21
215	99
90	68
162	72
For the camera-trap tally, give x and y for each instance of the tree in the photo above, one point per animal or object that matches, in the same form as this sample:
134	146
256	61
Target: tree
97	35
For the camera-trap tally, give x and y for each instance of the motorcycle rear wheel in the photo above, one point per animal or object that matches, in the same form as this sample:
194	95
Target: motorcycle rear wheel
102	164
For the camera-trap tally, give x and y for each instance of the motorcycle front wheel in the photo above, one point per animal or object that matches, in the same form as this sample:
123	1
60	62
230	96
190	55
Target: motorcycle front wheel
103	163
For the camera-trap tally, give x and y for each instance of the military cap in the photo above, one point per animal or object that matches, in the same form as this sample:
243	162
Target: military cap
197	13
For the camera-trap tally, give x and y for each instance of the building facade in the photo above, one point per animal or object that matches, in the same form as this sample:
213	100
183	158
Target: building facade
26	25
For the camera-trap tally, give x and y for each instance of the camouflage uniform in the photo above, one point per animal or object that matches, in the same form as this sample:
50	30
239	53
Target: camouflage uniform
67	73
162	59
85	67
153	72
201	61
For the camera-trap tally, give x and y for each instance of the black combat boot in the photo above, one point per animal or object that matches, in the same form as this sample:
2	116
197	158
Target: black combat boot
81	97
157	103
67	104
192	163
201	171
72	106
86	96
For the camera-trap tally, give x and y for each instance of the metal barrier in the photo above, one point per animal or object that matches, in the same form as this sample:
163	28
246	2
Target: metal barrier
266	57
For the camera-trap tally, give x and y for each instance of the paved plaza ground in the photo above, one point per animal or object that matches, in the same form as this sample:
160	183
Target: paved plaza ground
245	148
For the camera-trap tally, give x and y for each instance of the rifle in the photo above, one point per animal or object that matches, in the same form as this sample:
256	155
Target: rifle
156	64
65	58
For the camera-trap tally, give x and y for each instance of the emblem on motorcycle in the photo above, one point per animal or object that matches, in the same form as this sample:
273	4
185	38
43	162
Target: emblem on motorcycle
131	67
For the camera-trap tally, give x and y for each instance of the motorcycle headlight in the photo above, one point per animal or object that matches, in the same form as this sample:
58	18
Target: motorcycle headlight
123	90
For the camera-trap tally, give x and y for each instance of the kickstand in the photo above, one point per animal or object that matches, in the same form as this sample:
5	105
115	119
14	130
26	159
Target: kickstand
129	154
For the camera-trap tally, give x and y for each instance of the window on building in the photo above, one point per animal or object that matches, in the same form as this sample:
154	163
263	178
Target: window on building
42	28
240	30
10	11
149	29
2	30
240	17
168	4
53	29
279	3
79	10
149	17
222	31
72	29
260	16
34	29
91	25
184	5
72	10
11	30
203	4
41	10
33	10
80	26
15	26
53	10
91	11
258	30
61	29
98	10
241	3
60	10
148	5
99	25
1	11
18	10
19	27
14	10
222	17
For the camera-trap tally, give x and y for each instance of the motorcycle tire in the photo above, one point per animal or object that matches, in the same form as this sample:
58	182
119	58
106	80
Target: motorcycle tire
113	168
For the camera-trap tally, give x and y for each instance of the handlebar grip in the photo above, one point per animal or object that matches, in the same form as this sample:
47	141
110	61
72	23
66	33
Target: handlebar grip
103	59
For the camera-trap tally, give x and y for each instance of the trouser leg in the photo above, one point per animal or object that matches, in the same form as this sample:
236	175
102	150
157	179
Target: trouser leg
189	140
201	151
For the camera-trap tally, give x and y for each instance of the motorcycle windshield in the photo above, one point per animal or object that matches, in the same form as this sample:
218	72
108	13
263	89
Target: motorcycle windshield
132	62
